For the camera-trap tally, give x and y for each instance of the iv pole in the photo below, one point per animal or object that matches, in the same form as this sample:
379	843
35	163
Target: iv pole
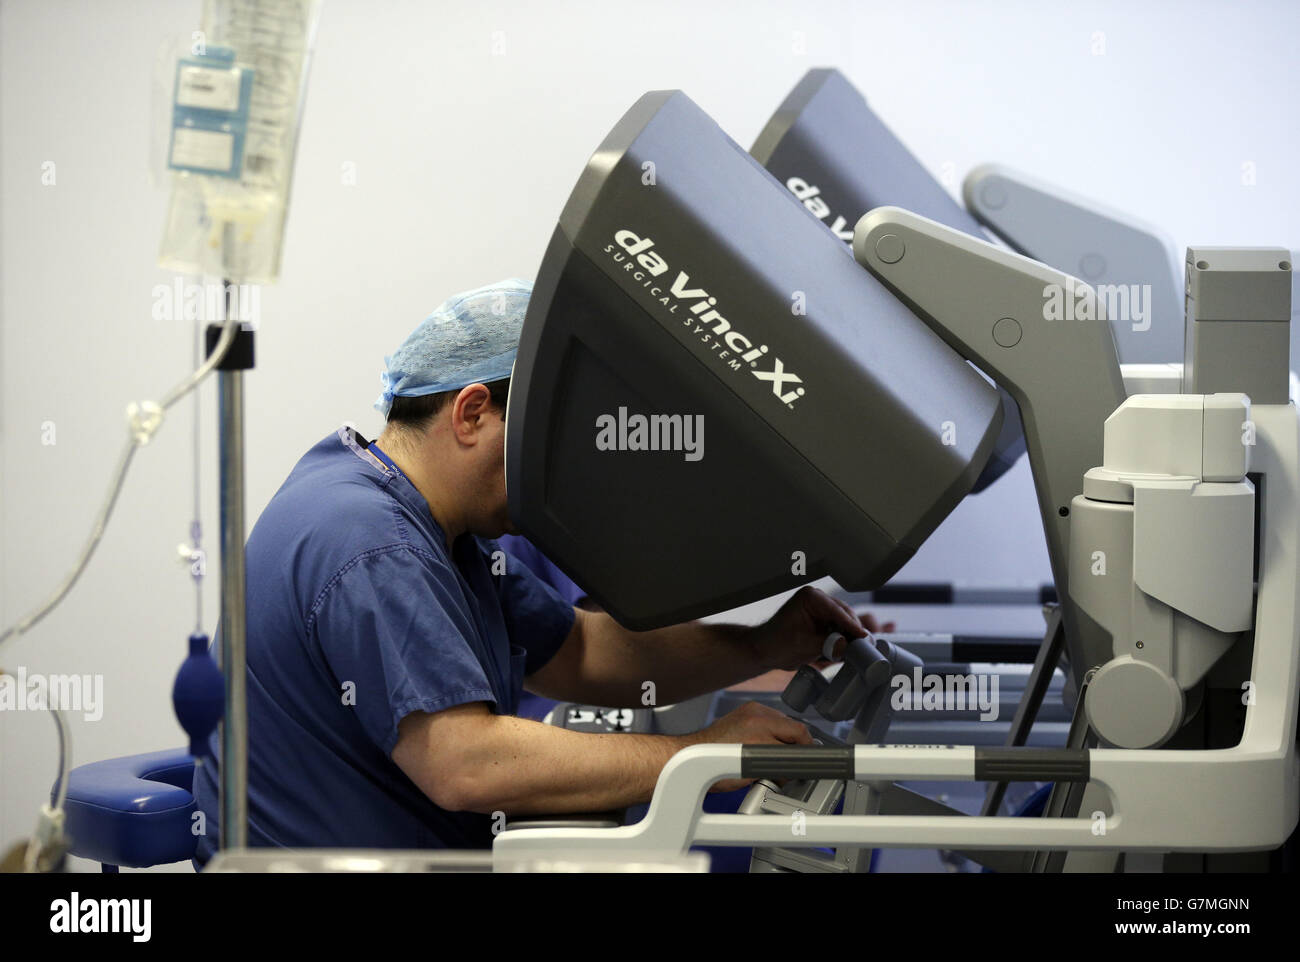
234	726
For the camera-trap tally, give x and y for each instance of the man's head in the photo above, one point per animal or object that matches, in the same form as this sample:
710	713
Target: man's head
445	395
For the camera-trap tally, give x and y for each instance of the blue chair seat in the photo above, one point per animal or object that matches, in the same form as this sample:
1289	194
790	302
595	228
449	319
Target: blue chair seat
133	811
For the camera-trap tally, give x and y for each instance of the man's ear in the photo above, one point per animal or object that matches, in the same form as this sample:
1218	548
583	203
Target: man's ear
472	405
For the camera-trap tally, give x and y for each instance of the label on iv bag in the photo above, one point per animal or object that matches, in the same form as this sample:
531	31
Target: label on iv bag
208	88
202	150
210	108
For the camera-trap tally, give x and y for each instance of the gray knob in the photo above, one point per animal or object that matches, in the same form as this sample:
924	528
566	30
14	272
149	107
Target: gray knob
1133	704
804	688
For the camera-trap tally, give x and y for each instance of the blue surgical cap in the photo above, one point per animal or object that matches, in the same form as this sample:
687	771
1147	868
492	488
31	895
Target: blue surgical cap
470	338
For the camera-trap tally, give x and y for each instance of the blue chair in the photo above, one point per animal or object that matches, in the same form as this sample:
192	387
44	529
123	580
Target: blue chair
133	811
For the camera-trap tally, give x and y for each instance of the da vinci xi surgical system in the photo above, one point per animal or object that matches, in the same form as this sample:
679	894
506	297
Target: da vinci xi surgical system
845	423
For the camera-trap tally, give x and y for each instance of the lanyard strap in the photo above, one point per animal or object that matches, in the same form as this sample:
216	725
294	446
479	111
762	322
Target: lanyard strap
375	450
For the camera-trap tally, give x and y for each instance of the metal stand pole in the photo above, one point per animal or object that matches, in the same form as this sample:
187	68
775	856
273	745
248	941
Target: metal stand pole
234	726
1031	700
234	732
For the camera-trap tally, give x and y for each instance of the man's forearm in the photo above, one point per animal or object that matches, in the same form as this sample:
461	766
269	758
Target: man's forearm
523	767
681	661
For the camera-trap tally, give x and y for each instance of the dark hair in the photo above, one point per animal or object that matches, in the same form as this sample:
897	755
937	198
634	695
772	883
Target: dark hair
417	412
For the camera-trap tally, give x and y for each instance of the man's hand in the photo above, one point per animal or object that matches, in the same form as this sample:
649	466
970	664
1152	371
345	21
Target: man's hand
794	635
751	724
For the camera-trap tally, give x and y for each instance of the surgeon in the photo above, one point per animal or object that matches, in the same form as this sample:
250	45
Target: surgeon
389	637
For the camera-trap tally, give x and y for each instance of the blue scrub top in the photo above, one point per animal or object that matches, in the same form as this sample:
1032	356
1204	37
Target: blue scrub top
357	616
517	546
537	707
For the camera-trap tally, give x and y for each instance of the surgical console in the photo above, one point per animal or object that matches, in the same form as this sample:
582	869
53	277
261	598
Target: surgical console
864	358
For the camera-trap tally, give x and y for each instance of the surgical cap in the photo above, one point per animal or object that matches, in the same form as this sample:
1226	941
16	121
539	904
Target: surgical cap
470	338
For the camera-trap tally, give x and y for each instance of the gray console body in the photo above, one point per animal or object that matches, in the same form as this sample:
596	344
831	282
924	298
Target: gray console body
838	159
831	451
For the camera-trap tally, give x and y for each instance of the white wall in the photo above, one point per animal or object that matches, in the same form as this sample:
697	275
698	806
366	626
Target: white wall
464	159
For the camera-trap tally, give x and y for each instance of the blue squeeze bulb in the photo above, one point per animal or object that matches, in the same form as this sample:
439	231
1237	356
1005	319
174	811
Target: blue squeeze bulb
199	695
